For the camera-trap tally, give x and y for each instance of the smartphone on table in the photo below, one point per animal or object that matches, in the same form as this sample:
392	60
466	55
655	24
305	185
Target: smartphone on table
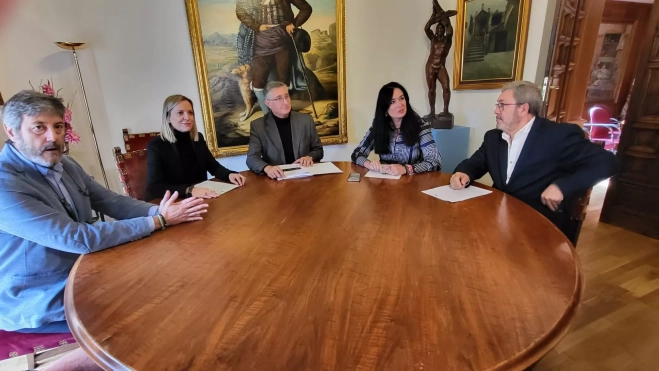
354	177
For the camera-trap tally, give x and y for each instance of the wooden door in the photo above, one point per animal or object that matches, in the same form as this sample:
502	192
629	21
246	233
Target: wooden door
574	35
569	16
632	200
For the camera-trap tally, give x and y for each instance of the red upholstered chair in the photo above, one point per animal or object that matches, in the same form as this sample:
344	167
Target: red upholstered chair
137	141
132	172
604	128
28	351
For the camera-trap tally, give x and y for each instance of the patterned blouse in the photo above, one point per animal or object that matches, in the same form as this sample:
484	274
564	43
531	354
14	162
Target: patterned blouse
423	156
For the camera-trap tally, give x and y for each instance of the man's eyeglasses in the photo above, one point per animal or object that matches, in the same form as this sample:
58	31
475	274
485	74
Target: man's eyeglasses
280	99
501	106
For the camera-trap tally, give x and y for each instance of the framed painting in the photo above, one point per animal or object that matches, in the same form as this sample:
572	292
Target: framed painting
609	62
241	45
491	43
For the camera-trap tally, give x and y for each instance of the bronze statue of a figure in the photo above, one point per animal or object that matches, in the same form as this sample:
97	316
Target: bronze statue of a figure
440	44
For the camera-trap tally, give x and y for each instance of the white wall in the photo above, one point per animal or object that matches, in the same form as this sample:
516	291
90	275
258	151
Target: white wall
139	52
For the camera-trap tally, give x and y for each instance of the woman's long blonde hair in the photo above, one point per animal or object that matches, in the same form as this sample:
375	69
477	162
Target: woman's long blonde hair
166	132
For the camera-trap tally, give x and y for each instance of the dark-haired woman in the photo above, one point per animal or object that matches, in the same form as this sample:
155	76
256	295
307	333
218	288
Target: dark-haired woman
399	136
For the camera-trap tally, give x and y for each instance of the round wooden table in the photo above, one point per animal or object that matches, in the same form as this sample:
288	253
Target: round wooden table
322	274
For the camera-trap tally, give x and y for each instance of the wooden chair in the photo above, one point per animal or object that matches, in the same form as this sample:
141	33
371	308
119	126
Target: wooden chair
19	351
137	141
132	172
576	210
577	214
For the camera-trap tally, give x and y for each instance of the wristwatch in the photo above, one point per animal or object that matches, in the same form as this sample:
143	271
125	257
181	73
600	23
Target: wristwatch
409	169
163	223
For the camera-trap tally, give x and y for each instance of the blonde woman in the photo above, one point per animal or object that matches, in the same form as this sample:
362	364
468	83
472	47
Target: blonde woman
179	158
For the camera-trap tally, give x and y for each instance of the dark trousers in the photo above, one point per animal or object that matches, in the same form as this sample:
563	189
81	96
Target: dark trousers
261	67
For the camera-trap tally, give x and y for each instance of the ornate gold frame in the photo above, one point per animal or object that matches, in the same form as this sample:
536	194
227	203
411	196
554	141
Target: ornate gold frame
520	53
194	26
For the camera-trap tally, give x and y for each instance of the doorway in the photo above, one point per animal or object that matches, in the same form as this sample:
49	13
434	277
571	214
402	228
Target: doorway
603	74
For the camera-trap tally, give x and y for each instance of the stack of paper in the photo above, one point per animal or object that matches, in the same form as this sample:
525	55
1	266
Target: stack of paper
293	171
375	174
446	193
218	187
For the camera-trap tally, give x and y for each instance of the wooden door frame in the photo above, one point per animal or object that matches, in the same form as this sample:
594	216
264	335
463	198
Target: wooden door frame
634	115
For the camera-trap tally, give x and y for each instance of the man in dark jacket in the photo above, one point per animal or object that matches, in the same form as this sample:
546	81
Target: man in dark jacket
538	161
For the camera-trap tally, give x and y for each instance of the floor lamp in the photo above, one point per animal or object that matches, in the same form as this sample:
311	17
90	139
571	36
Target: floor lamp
72	46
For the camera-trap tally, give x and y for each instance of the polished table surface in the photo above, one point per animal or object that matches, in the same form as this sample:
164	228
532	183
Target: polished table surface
322	274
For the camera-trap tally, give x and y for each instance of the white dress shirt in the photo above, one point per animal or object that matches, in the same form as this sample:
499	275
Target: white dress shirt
515	146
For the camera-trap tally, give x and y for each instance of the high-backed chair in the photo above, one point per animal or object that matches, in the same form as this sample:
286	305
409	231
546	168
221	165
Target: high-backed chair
132	172
19	351
137	141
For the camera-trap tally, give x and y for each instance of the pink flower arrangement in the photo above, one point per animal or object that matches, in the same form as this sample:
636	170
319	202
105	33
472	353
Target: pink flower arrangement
71	136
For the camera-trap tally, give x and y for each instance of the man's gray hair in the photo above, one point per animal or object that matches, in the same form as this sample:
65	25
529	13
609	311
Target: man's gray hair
30	103
273	85
526	92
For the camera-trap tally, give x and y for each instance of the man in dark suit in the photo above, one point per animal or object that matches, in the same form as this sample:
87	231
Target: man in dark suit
533	159
281	136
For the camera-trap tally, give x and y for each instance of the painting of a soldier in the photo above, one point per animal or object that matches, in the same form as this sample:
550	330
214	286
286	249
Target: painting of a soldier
248	43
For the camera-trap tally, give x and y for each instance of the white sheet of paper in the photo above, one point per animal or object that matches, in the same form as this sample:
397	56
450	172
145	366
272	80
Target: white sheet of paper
323	168
293	174
446	193
375	174
218	187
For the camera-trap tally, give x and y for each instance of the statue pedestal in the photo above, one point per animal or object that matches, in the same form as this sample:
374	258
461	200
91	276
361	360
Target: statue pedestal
440	121
453	146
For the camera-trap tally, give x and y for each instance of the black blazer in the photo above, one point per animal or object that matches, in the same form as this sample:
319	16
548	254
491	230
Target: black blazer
164	169
553	153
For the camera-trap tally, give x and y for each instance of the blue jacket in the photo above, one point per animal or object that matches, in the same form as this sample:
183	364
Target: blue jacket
39	242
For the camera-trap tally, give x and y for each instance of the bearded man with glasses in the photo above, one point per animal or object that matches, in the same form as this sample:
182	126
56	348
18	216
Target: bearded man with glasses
540	162
46	203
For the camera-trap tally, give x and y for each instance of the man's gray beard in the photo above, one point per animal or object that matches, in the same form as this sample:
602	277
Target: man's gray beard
33	154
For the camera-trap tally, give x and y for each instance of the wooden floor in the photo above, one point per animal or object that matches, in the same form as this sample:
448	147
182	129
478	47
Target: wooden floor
617	327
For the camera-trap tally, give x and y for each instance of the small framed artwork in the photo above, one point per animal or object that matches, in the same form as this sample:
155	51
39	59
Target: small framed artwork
490	43
241	45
